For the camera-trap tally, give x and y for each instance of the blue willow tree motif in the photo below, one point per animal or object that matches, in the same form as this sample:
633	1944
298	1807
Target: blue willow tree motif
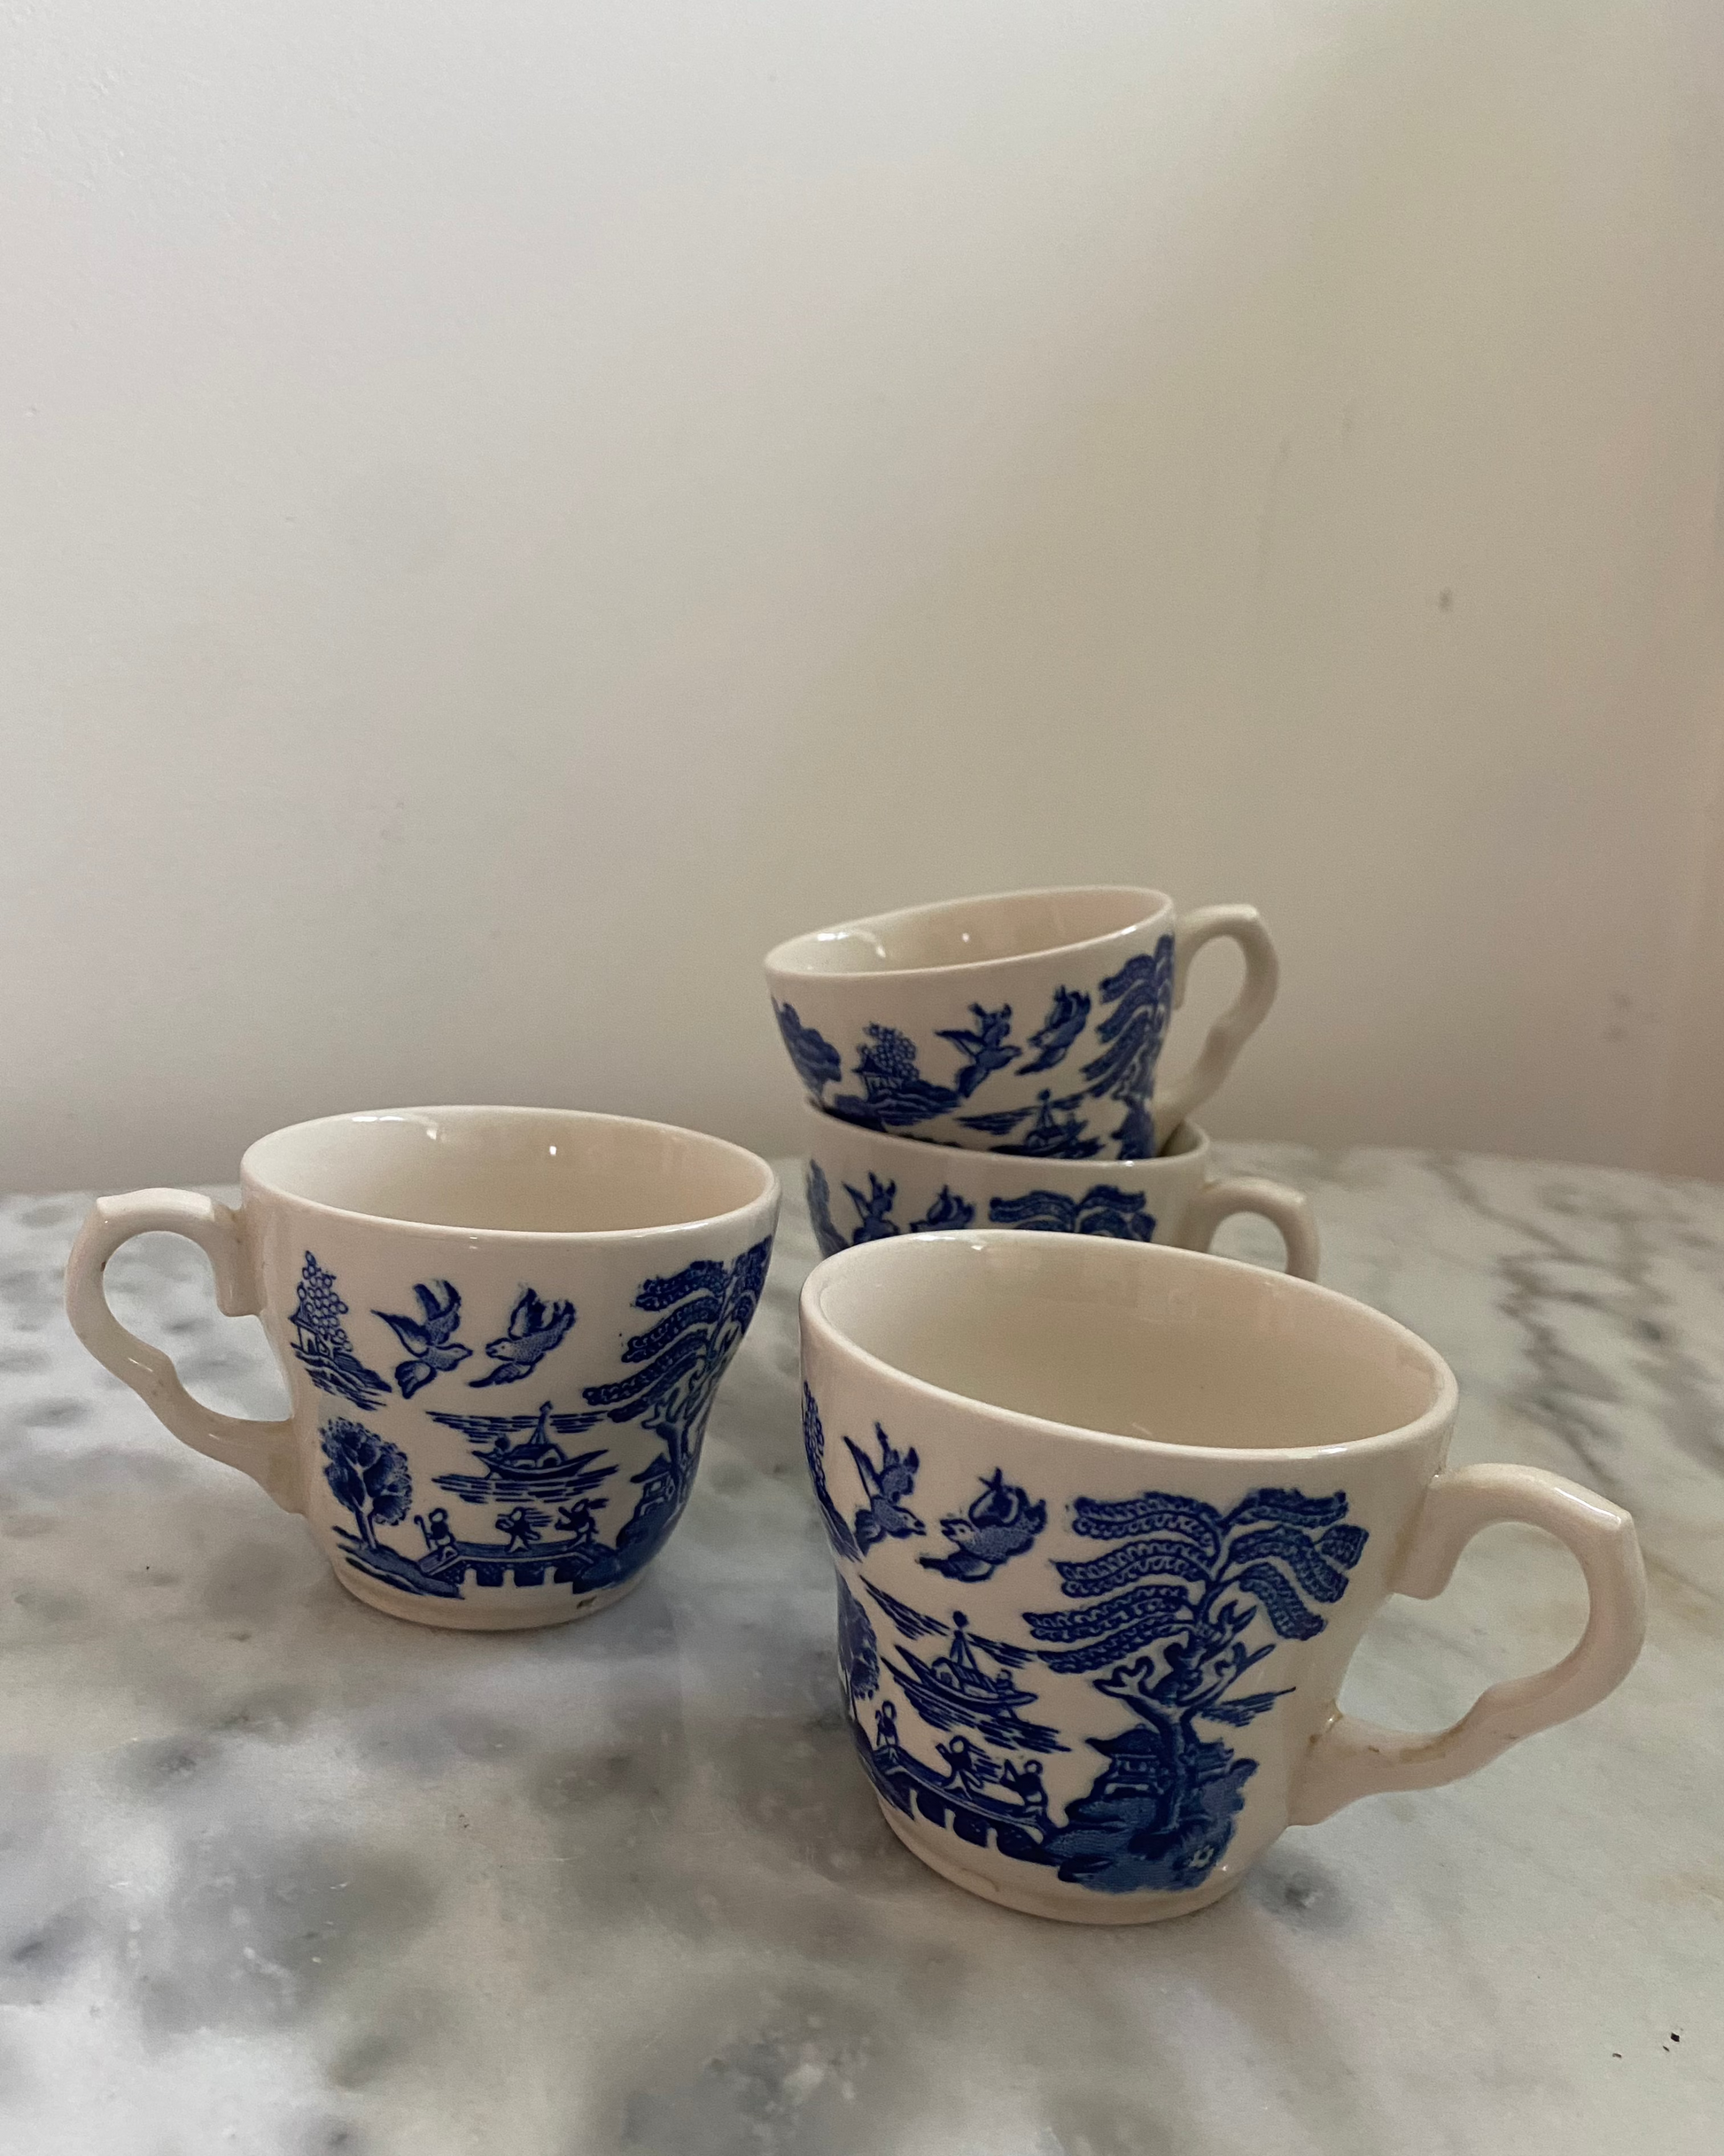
1163	1620
819	1063
533	1331
1067	1017
1000	1524
429	1338
1141	993
368	1475
1103	1209
682	1359
874	1212
321	1342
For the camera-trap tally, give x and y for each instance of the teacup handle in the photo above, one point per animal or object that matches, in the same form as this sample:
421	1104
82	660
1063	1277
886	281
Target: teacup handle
1351	1758
1288	1210
1174	1100
265	1451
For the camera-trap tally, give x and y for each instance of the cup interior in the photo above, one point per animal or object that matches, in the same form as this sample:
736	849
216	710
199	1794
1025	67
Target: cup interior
522	1170
969	931
1131	1339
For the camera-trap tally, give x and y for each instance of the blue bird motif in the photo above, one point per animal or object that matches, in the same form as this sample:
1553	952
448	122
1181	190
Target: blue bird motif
885	1515
1002	1523
947	1210
1067	1017
532	1333
874	1212
986	1050
427	1338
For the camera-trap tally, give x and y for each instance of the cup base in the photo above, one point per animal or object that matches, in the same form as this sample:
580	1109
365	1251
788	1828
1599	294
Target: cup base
1033	1899
516	1614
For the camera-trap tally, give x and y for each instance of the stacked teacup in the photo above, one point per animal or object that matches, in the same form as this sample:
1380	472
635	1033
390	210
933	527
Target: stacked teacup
994	1063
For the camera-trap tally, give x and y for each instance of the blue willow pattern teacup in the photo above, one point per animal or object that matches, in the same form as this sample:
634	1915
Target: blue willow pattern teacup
1030	1022
1109	1520
867	1185
502	1330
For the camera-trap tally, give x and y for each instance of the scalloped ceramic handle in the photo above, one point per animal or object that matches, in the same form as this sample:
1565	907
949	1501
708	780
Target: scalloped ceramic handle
265	1451
1242	925
1288	1209
1351	1758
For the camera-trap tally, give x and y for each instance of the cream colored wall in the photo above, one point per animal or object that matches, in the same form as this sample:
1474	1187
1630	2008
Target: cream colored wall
509	511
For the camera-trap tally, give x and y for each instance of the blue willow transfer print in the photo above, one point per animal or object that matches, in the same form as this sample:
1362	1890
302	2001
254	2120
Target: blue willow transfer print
1167	1621
886	1483
321	1342
1000	1524
533	1331
874	1212
1065	1021
429	1339
537	1494
819	1063
1103	1209
895	1096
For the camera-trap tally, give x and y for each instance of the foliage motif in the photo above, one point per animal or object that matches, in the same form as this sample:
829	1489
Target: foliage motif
1103	1209
678	1363
818	1062
368	1475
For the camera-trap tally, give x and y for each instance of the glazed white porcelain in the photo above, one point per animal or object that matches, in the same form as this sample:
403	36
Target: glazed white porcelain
863	1186
501	1329
1030	1021
1109	1520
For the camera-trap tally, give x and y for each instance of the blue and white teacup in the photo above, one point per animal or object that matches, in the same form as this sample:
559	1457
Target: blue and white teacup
502	1330
865	1186
1030	1022
1109	1520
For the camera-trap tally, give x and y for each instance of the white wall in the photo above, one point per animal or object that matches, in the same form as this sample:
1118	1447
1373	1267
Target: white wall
510	509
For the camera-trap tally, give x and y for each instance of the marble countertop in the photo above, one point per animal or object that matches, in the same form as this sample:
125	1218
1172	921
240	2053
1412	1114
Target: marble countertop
278	1873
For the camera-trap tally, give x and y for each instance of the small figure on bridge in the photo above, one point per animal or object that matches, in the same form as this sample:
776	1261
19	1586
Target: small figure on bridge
439	1537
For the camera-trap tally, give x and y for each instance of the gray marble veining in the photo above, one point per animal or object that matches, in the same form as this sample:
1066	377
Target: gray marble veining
278	1873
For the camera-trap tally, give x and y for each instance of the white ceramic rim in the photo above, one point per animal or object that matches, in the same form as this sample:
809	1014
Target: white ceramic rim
914	1150
781	964
250	1180
814	1317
